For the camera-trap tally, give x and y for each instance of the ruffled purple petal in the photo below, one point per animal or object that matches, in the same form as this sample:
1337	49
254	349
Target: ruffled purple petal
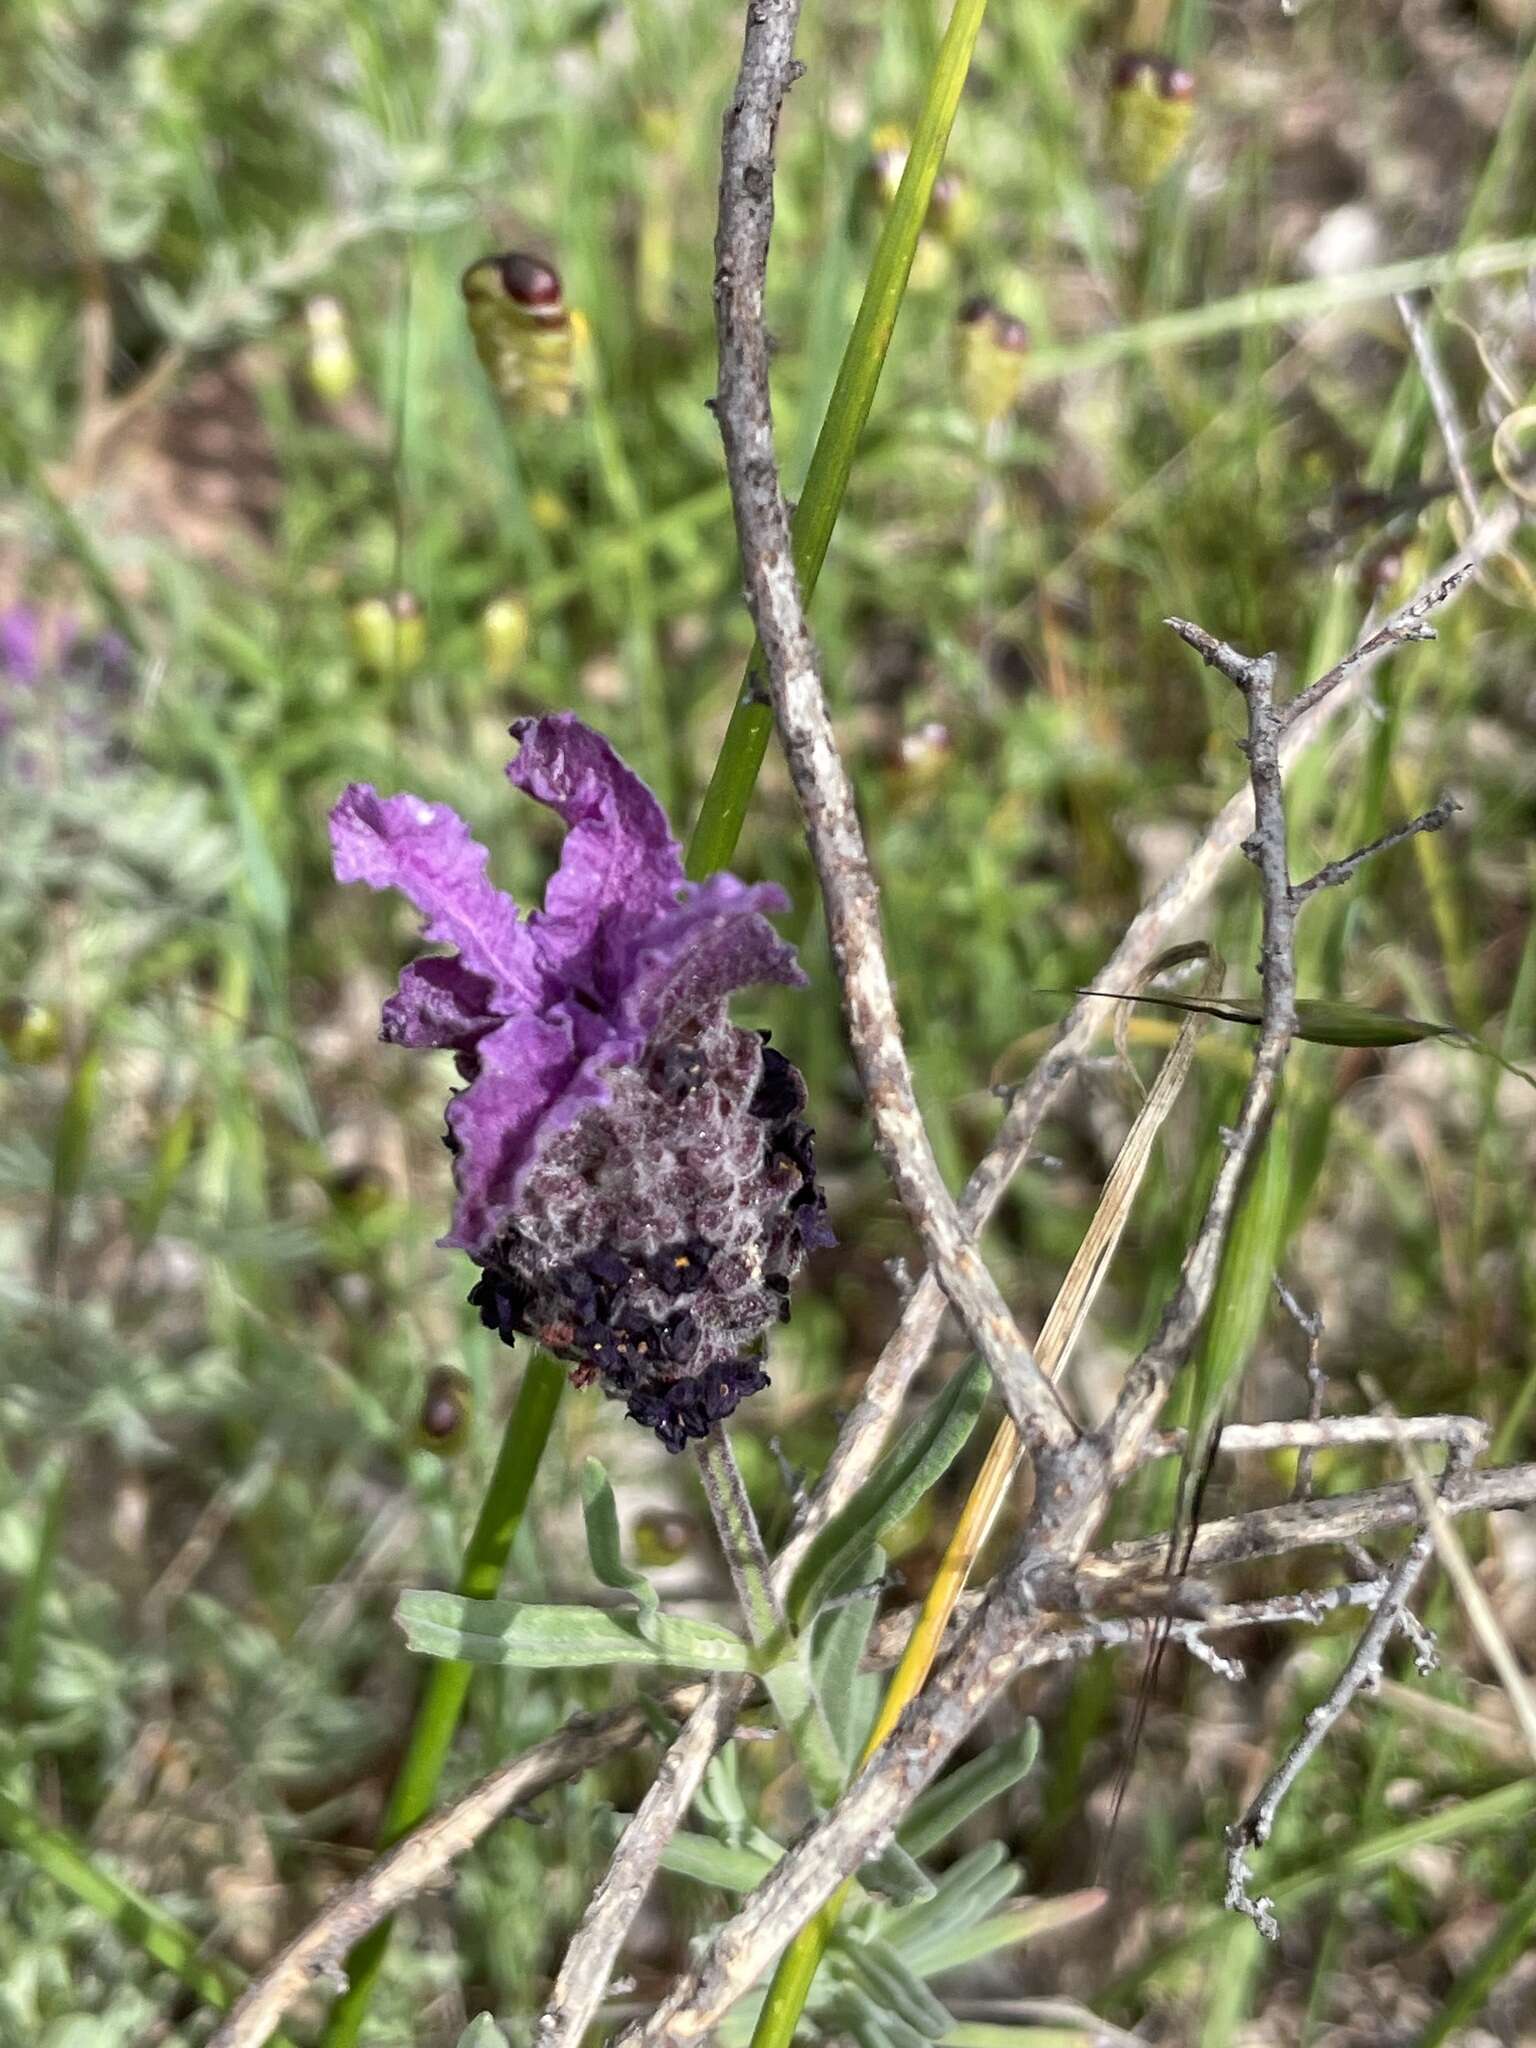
620	864
439	1004
691	958
426	851
523	1067
535	1076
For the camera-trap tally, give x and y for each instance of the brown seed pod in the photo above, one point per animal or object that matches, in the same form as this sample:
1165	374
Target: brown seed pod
447	1409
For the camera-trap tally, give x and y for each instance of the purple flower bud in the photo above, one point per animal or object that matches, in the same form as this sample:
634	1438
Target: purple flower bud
634	1175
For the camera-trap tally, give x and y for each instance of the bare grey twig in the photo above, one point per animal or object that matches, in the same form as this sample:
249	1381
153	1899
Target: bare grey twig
1075	1474
744	410
1333	872
1409	623
1314	1524
1332	1431
588	1962
1310	1324
1074	1481
869	1422
1361	1672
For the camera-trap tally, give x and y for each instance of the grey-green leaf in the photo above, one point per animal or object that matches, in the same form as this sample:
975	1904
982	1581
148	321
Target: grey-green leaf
1026	1921
850	1696
896	1876
891	1491
893	1986
969	1890
605	1547
732	1867
719	1799
871	2022
954	1799
539	1638
483	2032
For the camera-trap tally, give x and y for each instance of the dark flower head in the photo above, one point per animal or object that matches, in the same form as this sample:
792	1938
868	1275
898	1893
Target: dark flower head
632	1172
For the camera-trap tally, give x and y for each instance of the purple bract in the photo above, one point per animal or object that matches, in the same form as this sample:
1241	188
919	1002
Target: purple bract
88	675
633	1175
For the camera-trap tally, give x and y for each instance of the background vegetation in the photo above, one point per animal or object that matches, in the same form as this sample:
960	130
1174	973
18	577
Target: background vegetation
220	1294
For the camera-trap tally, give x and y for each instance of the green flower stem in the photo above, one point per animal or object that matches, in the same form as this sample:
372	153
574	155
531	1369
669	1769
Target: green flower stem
783	1668
136	1919
442	1695
724	808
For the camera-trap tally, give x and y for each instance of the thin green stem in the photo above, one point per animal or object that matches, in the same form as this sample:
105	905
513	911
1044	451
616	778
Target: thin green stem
741	1540
724	808
785	1673
136	1919
443	1691
790	1985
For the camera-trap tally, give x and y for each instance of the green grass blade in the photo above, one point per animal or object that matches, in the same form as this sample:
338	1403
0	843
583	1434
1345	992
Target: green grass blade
71	1152
24	1634
1279	305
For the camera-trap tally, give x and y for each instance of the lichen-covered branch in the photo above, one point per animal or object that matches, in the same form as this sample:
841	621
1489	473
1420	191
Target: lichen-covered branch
826	795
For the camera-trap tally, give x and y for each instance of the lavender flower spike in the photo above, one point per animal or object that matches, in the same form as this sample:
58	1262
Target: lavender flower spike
633	1174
